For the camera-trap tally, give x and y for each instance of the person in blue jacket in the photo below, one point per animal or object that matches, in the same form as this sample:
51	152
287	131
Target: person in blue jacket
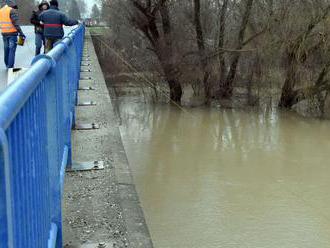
53	21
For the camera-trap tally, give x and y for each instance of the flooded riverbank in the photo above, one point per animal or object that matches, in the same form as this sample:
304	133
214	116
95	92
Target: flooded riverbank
226	178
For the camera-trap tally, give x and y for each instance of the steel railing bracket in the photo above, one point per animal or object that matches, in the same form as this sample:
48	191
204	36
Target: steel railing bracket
86	166
86	88
44	56
86	126
86	104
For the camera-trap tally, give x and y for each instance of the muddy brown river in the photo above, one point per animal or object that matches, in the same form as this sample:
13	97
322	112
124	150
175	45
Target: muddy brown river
211	178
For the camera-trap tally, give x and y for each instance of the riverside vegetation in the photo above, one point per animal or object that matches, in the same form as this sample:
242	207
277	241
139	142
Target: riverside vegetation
235	52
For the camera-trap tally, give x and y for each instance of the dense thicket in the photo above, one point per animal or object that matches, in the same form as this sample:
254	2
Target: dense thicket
217	45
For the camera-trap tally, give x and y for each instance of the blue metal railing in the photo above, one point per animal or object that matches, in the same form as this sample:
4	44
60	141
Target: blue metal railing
37	113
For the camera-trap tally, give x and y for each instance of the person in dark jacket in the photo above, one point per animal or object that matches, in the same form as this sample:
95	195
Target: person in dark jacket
10	29
38	27
53	21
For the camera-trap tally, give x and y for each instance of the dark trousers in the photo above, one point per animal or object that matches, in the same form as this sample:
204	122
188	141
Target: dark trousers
40	41
9	45
50	42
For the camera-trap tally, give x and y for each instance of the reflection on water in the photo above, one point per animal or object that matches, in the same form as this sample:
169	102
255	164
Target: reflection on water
227	178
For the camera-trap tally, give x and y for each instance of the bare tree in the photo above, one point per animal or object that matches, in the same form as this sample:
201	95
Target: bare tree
297	52
226	88
152	18
96	13
222	30
74	11
278	48
201	48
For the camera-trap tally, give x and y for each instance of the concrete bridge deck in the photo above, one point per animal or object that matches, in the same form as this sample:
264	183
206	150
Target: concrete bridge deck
101	206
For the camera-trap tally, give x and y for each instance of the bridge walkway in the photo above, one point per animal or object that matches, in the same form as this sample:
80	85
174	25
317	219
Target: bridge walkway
101	206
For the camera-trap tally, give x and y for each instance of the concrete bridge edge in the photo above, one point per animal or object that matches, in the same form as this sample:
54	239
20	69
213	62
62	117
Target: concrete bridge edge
85	197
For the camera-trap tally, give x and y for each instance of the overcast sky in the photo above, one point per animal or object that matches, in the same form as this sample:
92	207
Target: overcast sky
90	3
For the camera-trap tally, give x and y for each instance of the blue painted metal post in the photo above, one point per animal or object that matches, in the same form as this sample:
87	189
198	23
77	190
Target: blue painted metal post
6	238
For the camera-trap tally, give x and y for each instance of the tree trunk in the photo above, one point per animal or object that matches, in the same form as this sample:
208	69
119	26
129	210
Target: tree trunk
226	89
296	55
201	49
149	24
287	97
175	90
169	65
223	14
291	97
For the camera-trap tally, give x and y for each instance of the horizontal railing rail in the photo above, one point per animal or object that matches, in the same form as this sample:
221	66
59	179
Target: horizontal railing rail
37	112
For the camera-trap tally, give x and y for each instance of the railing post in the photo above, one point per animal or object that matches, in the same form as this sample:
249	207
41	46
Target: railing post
55	153
6	228
54	159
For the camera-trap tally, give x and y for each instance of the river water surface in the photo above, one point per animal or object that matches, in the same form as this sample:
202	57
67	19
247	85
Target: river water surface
215	178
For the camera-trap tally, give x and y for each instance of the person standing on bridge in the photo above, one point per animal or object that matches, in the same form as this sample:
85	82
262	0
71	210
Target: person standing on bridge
53	21
38	27
10	29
